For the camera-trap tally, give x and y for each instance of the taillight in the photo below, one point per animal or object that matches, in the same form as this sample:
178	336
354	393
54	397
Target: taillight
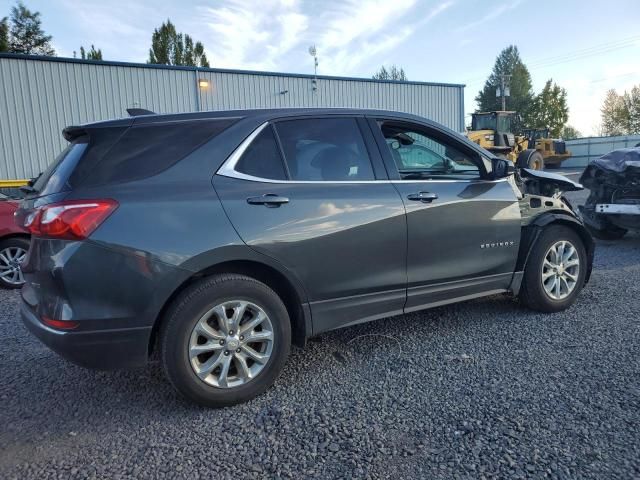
60	324
71	220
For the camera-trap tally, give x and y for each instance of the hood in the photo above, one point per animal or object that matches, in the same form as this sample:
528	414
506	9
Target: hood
550	179
619	160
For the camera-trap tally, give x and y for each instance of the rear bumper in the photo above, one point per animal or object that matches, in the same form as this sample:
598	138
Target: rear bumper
98	349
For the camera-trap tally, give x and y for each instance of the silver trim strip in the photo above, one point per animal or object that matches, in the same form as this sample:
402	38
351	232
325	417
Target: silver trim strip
228	169
618	209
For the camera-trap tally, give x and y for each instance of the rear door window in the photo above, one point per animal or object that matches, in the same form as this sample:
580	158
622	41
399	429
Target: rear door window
325	149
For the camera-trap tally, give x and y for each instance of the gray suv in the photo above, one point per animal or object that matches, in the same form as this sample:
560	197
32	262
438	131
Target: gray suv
221	238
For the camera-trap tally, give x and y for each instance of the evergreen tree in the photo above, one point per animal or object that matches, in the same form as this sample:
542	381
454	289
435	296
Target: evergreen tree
169	47
549	109
4	35
508	62
26	35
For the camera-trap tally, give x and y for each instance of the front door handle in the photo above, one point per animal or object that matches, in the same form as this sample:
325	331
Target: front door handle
424	197
270	200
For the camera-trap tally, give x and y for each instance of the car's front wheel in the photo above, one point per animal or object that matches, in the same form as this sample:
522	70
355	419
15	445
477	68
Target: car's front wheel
555	271
225	340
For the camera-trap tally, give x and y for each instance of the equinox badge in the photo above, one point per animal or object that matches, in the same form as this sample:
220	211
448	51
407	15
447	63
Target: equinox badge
497	244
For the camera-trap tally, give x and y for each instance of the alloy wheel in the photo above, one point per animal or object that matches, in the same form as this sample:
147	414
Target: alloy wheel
11	259
560	270
231	344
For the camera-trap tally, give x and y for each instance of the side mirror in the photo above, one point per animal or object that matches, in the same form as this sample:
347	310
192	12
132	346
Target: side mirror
501	168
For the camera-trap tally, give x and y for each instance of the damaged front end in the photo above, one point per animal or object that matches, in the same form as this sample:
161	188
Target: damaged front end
613	206
542	203
542	193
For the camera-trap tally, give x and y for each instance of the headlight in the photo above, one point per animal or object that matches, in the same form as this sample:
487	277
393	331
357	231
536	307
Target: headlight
488	138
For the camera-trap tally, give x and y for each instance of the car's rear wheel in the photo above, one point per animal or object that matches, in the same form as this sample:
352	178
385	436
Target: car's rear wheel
555	271
225	340
12	253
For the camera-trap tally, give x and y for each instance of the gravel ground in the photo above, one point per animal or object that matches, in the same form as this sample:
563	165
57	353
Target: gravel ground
482	389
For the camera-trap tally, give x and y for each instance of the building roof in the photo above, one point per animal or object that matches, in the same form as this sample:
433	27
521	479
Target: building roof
218	70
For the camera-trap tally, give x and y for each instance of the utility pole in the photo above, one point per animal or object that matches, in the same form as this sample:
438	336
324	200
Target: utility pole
504	90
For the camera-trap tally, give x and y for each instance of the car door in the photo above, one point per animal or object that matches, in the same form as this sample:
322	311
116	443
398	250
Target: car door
308	193
463	229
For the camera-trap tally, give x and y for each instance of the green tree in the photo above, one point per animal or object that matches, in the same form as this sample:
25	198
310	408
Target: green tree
393	73
631	101
615	119
549	109
92	54
570	133
169	47
4	35
26	35
508	62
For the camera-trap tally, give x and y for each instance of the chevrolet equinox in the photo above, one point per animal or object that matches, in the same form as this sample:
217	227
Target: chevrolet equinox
219	239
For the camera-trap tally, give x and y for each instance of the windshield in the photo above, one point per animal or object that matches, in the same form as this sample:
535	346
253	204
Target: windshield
484	122
504	123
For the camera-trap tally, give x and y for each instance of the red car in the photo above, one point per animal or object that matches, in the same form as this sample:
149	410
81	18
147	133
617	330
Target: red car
14	243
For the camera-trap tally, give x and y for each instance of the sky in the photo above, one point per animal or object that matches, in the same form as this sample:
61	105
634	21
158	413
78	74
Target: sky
586	46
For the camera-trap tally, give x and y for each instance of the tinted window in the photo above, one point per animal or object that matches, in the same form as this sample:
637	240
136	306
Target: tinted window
56	177
329	149
417	154
262	158
146	150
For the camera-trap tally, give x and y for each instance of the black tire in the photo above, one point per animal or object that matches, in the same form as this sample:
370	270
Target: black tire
185	312
532	293
531	159
611	232
552	166
10	243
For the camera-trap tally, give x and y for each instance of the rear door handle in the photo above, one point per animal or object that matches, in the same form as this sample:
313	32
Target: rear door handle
424	197
270	200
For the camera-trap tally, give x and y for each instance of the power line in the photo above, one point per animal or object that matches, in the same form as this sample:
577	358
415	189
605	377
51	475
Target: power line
580	54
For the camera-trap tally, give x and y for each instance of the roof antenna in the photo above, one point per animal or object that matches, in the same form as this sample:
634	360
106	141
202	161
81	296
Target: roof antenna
314	53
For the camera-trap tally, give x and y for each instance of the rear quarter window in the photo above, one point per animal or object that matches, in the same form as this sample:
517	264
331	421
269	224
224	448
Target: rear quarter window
146	150
56	178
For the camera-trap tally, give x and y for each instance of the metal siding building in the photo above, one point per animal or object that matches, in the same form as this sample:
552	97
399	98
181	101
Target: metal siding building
583	150
39	96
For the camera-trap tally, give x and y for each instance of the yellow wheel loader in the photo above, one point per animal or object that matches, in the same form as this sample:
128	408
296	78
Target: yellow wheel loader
531	149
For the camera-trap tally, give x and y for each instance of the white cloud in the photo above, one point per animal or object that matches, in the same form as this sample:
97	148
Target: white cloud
358	31
276	35
247	37
495	12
